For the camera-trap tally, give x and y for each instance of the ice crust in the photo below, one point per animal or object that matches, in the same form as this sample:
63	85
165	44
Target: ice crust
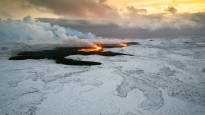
163	77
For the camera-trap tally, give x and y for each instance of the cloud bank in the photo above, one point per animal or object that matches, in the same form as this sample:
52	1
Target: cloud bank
103	20
129	17
140	25
133	17
78	8
138	18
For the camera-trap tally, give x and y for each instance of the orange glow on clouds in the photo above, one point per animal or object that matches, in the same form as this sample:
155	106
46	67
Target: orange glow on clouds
158	6
21	8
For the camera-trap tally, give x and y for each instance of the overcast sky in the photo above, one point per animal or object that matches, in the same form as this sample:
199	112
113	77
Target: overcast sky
101	9
149	15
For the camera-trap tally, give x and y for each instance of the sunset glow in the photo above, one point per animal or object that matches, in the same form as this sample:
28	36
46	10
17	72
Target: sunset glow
158	6
95	8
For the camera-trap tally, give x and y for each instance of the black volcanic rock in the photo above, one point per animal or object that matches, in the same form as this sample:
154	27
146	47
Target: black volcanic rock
117	45
58	54
76	62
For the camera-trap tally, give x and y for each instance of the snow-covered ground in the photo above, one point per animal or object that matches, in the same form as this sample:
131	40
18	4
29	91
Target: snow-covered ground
164	77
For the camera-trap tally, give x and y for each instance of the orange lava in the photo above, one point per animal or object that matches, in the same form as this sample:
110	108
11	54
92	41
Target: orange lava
123	44
95	48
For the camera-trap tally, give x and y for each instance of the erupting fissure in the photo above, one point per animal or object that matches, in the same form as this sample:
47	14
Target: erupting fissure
99	47
95	48
123	44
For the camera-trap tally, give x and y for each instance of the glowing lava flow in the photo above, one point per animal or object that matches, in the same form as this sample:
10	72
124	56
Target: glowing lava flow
123	44
95	48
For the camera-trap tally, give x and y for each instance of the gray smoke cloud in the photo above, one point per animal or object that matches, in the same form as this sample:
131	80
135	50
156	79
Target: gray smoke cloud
28	34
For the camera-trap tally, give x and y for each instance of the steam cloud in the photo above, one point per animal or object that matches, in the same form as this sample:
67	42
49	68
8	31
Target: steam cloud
17	35
29	31
33	32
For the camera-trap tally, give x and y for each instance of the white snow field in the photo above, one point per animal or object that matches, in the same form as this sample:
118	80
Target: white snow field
164	77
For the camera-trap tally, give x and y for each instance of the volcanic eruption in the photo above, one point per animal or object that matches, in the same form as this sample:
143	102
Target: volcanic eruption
123	44
59	54
95	48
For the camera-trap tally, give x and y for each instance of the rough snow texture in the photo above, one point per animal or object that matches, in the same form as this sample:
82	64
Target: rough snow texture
164	77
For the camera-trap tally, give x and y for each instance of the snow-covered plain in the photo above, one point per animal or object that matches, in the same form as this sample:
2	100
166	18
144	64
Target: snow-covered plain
164	77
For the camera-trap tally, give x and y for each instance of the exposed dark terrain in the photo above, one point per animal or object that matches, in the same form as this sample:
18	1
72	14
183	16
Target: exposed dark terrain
58	54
